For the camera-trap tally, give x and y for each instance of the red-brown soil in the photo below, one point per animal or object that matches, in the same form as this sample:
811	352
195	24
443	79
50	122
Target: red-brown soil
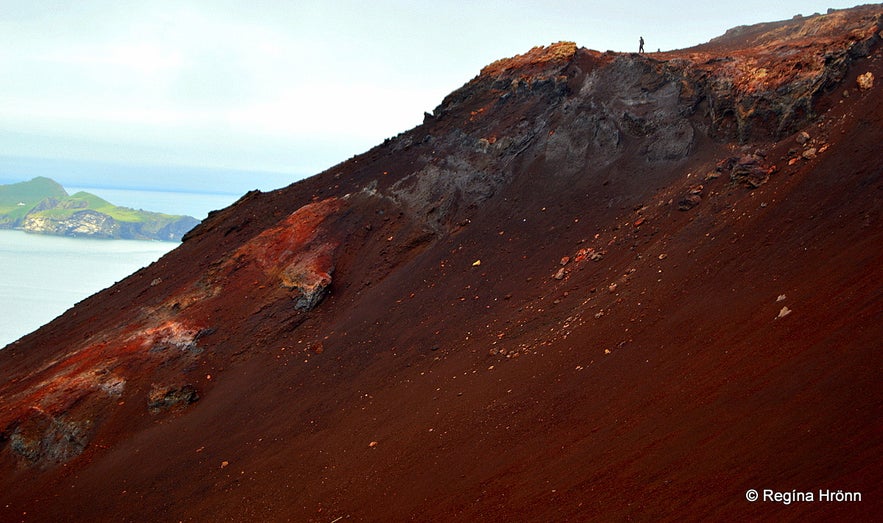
589	287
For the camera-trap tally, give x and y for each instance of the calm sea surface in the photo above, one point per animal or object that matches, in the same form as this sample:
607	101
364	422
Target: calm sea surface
43	276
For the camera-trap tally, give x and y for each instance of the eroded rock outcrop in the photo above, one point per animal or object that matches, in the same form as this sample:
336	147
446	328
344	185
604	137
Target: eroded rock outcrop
592	108
770	88
508	289
296	252
42	439
55	412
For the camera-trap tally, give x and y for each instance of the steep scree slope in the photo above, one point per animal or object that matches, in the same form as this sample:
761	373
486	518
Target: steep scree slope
589	286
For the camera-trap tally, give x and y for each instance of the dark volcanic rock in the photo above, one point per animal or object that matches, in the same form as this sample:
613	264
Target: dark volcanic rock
169	396
691	199
44	440
734	346
750	171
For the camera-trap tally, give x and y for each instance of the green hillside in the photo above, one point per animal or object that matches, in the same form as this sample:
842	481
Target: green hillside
43	206
17	199
32	191
84	200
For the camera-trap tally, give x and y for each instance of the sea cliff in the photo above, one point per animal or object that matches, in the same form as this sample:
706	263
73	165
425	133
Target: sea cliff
42	206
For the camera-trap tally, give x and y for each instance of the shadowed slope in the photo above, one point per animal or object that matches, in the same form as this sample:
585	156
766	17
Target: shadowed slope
589	286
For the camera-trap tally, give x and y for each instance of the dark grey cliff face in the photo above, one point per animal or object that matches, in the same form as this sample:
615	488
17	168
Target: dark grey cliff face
591	110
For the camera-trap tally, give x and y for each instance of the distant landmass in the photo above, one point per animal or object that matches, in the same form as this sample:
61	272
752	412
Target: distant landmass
591	286
43	206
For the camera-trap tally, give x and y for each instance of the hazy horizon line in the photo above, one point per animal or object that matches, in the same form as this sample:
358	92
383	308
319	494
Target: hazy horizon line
142	176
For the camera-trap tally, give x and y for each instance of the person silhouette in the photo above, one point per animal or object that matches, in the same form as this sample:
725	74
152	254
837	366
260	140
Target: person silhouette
641	45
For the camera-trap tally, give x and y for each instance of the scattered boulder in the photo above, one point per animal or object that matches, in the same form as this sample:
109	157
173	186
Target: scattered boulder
164	397
865	81
723	166
748	170
802	137
689	201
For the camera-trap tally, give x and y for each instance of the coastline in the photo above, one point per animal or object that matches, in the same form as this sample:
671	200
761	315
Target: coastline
41	276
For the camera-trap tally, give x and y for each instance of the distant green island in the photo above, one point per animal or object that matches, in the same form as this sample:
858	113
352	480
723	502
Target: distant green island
43	206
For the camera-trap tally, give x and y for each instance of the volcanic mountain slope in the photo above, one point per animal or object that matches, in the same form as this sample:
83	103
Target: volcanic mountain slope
588	287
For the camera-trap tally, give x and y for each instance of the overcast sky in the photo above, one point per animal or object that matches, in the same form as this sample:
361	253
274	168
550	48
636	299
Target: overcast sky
288	86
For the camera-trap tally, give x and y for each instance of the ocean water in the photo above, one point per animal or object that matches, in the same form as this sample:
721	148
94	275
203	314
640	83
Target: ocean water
43	276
